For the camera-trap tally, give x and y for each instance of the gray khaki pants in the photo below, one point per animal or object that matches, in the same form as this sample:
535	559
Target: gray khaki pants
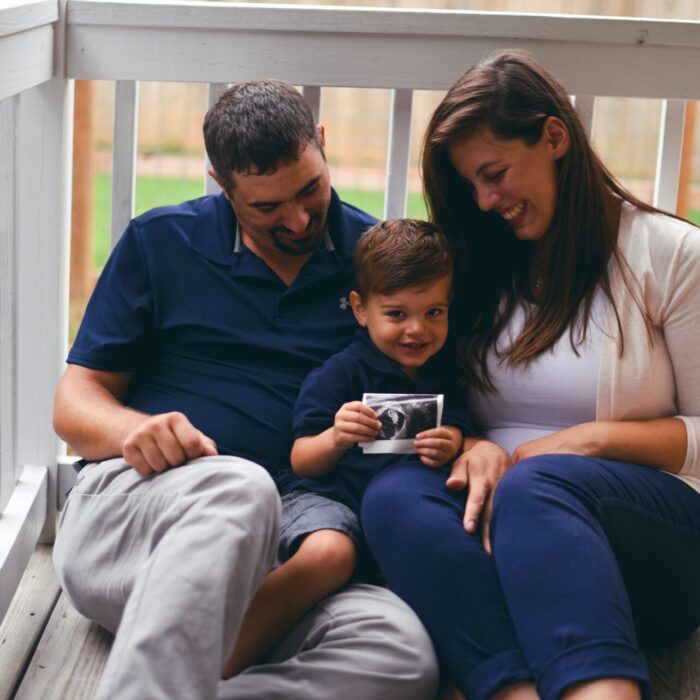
171	563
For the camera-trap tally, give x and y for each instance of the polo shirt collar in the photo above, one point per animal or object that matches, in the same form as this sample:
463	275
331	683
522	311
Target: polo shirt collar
366	351
215	232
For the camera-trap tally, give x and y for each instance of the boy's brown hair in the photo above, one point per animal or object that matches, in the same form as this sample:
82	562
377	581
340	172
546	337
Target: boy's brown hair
400	253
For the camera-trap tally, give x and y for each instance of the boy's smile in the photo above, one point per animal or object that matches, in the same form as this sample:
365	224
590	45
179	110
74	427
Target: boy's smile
409	326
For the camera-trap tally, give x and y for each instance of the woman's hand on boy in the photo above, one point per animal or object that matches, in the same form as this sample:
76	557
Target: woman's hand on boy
354	422
438	446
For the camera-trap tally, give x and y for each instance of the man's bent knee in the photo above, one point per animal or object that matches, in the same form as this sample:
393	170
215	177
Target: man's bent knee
403	648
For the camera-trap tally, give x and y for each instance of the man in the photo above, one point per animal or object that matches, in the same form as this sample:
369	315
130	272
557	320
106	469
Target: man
179	392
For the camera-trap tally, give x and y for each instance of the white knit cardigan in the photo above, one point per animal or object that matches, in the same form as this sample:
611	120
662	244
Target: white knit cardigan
656	376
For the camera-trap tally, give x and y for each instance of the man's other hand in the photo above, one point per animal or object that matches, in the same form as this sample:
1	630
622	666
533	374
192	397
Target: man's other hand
164	441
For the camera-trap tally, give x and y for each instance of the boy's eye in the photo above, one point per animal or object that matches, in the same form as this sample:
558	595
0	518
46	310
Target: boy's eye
433	313
395	313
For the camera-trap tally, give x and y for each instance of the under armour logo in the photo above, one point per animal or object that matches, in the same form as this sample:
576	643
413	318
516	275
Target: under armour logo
344	303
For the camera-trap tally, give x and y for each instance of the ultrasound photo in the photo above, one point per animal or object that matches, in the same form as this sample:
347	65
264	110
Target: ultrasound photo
403	416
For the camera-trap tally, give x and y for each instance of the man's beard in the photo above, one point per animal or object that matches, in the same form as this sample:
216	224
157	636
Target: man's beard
301	246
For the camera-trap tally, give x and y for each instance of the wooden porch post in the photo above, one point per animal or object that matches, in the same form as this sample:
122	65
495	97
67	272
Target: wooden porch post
686	159
83	194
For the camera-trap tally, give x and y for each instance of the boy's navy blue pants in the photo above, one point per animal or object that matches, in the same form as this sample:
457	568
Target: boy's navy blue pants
593	561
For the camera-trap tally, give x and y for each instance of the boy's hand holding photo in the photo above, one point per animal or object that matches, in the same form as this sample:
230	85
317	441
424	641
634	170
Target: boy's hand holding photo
438	446
355	422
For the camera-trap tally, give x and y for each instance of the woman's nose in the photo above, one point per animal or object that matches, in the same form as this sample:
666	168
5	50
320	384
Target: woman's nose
486	197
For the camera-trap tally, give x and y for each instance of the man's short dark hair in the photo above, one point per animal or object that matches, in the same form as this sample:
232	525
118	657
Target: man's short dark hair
400	253
257	126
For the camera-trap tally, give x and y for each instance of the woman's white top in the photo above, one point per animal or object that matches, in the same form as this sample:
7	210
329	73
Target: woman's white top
555	391
658	374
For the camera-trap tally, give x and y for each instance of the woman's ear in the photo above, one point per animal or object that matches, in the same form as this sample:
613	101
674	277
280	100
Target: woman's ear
557	136
358	308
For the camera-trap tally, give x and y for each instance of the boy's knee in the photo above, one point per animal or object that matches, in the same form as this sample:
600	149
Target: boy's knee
331	553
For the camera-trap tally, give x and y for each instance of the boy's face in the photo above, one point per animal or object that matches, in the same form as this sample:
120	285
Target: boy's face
409	326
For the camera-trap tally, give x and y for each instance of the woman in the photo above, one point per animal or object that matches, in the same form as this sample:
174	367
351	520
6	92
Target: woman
579	335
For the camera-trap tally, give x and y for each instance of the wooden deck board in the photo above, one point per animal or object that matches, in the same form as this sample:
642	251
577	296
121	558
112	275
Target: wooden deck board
69	660
26	618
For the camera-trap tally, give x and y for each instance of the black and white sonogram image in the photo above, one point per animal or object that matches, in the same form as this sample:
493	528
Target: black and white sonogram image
403	416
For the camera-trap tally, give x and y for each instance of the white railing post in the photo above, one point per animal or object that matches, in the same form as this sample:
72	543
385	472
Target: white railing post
585	107
43	248
399	153
214	92
668	160
34	235
126	106
8	298
312	95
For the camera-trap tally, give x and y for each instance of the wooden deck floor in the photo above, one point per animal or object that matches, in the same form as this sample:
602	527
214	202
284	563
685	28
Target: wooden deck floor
50	652
47	650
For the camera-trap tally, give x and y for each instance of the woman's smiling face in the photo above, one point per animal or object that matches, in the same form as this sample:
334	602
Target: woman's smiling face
516	180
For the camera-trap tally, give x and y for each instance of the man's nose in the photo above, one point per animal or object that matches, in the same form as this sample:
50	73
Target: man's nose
296	218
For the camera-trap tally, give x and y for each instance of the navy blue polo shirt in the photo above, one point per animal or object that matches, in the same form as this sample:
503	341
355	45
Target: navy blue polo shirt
213	332
346	376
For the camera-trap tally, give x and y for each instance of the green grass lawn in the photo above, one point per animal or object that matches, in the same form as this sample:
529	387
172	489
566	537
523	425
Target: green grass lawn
154	191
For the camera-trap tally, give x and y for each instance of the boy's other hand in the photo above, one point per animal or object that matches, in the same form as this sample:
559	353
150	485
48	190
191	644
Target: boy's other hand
438	445
354	422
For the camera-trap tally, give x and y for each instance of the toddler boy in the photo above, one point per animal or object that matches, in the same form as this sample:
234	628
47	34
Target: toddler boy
403	271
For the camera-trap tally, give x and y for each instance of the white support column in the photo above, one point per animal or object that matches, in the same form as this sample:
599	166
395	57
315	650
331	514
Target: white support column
399	152
20	525
585	107
312	95
43	241
668	159
126	106
8	297
213	94
43	249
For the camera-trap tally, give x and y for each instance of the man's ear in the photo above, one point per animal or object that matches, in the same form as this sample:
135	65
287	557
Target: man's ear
212	174
322	134
557	136
358	308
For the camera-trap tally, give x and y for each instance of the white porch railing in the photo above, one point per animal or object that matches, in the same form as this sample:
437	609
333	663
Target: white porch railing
44	44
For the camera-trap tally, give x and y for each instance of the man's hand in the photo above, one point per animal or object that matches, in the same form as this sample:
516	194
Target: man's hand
438	445
354	422
164	441
479	469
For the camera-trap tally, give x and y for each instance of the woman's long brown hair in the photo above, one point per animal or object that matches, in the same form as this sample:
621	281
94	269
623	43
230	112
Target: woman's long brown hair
511	94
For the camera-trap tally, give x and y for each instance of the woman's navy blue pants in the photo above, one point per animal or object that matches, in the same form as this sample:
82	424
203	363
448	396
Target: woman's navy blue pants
594	560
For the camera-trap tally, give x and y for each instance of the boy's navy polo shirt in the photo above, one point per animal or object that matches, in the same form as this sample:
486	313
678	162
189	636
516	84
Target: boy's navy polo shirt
361	368
215	333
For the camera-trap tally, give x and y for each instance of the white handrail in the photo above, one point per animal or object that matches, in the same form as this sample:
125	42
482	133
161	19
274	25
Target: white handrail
381	48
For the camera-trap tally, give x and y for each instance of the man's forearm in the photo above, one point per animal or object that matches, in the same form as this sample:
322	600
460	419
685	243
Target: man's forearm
90	418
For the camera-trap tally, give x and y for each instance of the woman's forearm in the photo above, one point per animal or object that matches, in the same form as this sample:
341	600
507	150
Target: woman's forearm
660	443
